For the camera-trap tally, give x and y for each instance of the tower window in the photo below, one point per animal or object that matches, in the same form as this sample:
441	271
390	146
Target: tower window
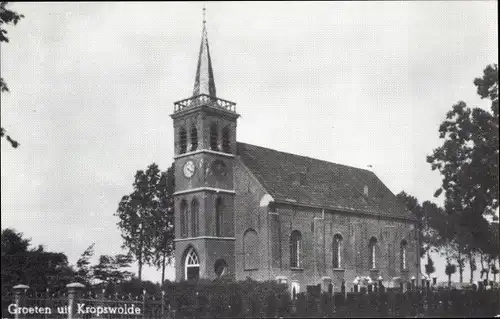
295	239
194	217
214	138
182	141
183	219
194	138
373	253
337	251
404	246
219	217
226	143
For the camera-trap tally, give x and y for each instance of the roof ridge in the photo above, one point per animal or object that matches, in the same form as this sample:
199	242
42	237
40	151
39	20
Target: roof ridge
307	157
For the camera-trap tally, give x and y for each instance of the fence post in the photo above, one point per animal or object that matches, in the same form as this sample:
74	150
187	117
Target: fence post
73	290
143	303
163	304
19	293
47	300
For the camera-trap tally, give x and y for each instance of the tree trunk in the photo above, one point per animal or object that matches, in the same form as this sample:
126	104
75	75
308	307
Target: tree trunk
139	261
460	266
449	281
488	261
141	253
163	268
139	273
471	262
482	264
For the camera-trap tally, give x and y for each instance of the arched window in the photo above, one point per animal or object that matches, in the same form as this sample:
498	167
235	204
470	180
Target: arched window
191	265
403	248
194	139
295	289
182	141
226	142
184	217
219	217
250	249
214	138
337	251
295	239
220	267
194	217
373	253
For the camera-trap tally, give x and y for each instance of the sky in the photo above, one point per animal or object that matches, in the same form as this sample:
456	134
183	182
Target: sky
92	86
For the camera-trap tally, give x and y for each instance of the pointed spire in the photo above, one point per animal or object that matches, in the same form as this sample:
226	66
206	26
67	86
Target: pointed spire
204	82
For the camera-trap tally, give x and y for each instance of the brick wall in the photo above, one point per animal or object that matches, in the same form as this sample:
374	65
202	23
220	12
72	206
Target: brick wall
316	257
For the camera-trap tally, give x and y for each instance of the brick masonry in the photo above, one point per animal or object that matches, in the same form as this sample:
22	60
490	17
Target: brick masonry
275	223
255	240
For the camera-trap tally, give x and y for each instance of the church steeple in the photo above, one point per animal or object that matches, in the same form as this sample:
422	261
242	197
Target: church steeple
204	82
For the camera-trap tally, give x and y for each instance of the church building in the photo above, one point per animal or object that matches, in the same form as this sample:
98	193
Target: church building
244	210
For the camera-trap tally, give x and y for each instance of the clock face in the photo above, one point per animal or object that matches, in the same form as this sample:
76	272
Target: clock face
189	169
219	168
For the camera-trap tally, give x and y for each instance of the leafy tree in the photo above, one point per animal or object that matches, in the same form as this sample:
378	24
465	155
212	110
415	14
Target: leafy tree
13	242
163	240
432	221
450	270
35	267
7	17
460	258
111	269
494	271
468	158
83	268
429	267
138	216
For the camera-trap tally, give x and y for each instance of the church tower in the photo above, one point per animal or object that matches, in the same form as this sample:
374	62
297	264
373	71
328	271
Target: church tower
205	148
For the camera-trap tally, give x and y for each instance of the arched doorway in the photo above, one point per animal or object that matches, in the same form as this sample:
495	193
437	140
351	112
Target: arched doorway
191	265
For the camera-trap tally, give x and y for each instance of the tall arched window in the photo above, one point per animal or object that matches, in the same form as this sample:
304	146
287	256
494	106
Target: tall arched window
226	142
403	248
251	249
373	253
184	217
194	217
182	141
295	243
219	217
191	265
194	138
214	137
337	251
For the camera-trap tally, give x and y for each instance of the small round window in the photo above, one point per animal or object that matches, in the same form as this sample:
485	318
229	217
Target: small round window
220	267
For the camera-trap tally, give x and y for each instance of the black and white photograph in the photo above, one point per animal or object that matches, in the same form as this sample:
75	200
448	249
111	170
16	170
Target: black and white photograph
281	159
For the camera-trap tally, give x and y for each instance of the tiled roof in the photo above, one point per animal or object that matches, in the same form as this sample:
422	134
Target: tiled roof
312	182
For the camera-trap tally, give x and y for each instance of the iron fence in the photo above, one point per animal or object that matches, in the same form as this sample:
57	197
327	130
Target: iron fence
394	303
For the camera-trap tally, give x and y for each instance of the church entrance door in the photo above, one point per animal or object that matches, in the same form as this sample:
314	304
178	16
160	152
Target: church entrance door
192	265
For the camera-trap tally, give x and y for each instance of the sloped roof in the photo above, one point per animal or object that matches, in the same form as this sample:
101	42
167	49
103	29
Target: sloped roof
312	182
204	82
